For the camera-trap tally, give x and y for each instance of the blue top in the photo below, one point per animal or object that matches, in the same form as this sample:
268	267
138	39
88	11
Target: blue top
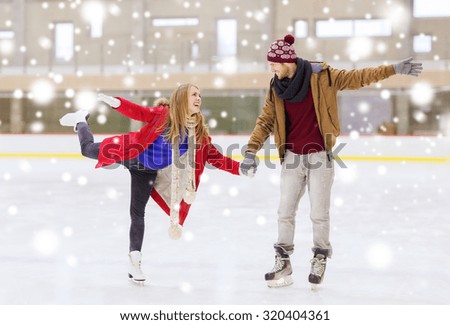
158	155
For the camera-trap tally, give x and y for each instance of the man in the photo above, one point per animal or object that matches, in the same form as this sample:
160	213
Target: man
301	110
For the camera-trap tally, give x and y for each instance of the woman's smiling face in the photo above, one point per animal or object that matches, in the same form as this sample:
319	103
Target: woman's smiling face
194	100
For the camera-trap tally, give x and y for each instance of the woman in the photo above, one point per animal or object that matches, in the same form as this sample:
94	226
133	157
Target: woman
170	177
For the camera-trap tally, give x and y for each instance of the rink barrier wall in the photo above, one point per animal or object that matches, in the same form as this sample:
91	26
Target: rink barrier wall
418	149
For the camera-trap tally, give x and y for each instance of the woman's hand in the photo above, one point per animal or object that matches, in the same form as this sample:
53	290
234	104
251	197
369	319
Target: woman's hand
109	100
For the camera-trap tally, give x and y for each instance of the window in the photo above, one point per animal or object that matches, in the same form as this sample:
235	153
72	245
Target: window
372	27
301	28
226	37
64	41
422	43
334	28
94	13
97	26
174	22
195	51
431	8
352	28
6	35
6	42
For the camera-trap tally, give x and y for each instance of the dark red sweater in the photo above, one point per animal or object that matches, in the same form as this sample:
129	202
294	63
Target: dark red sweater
302	129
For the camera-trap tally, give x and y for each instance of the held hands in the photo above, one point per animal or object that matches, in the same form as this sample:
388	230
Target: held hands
248	165
111	101
408	67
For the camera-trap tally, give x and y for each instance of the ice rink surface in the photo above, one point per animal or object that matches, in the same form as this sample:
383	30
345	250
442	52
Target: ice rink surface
64	238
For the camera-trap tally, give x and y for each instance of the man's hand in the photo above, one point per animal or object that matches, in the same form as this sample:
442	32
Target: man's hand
111	101
248	165
408	67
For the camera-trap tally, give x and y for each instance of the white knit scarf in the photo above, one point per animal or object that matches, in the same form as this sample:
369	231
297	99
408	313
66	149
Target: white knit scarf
177	193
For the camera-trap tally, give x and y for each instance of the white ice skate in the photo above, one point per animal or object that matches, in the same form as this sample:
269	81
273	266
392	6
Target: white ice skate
72	119
135	272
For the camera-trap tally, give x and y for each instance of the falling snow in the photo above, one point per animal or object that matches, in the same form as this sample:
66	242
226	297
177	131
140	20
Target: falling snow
64	224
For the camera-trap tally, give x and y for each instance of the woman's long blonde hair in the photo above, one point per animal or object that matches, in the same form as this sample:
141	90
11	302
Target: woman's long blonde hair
179	112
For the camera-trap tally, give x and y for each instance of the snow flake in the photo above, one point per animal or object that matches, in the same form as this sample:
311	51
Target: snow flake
212	123
275	179
354	135
233	191
379	255
67	231
219	82
18	93
215	189
359	48
261	220
128	81
114	10
112	193
185	287
37	127
42	92
382	170
82	180
71	261
66	177
25	166
13	210
86	100
347	175
70	93
420	116
422	94
385	94
364	107
45	242
188	236
338	202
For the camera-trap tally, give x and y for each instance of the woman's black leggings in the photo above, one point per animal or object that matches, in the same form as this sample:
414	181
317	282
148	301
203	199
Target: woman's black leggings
142	180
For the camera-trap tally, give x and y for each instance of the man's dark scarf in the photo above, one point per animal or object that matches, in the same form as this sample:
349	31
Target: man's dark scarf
295	89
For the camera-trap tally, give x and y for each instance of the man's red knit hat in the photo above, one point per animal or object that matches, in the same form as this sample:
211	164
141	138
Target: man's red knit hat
282	50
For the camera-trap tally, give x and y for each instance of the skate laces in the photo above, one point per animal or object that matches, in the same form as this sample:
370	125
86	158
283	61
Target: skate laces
279	263
318	266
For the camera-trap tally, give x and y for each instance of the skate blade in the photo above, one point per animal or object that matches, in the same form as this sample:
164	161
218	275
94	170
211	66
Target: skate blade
315	286
138	282
282	282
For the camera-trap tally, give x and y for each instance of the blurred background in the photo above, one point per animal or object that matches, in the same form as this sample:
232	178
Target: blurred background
56	55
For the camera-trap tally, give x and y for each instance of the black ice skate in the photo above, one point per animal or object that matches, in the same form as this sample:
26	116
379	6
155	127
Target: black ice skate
318	265
135	273
280	276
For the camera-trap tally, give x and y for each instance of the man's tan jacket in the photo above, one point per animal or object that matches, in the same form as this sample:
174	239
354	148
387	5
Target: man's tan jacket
324	87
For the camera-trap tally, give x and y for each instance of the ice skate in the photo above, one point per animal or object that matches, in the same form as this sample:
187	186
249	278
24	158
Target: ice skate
135	272
318	266
72	119
280	276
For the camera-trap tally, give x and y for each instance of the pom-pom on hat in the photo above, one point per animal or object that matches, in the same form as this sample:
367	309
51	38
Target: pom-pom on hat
282	50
